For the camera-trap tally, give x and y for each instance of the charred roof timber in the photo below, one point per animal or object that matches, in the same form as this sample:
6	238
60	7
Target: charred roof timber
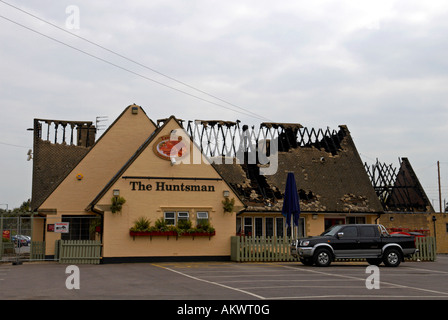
59	145
226	138
398	189
56	132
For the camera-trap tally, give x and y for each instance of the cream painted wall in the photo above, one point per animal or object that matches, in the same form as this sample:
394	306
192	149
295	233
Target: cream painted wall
98	167
152	204
106	157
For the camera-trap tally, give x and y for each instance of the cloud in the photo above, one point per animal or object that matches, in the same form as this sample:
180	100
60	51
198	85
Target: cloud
377	66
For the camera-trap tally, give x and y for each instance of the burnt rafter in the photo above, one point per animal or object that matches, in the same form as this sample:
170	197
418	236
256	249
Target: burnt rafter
51	131
218	138
397	189
383	177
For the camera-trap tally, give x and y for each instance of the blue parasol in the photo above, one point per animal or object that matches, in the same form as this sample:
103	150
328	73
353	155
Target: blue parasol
291	206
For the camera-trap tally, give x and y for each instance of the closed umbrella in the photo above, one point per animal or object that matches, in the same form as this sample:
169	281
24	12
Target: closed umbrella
291	206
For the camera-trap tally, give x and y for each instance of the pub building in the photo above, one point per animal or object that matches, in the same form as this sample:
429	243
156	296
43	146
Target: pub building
173	190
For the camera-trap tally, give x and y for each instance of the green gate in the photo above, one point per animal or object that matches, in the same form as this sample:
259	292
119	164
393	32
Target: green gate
78	251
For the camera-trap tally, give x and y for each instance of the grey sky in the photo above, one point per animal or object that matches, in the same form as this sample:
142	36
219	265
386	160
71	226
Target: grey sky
378	67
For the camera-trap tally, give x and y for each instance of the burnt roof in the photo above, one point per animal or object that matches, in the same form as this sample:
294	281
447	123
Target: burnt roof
329	174
398	189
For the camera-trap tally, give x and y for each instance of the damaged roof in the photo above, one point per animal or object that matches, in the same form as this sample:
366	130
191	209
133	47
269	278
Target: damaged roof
398	189
329	174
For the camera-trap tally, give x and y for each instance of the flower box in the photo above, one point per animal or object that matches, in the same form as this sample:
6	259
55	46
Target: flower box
200	234
153	233
170	233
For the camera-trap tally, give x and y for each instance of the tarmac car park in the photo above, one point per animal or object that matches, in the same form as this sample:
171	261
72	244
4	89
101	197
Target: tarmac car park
201	281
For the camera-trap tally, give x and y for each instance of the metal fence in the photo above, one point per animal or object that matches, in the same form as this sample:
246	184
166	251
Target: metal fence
265	249
17	242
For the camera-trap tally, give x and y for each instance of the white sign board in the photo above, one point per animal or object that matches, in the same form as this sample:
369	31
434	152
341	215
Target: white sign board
61	227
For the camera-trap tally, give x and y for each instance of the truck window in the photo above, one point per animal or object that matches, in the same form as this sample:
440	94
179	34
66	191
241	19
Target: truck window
367	231
350	232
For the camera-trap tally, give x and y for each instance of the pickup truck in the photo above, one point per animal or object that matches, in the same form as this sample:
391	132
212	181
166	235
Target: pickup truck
354	241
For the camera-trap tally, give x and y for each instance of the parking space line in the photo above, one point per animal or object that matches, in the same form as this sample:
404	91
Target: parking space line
210	282
247	275
427	270
291	280
445	294
272	274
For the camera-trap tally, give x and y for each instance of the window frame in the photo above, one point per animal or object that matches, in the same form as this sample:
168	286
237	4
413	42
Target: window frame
200	219
167	219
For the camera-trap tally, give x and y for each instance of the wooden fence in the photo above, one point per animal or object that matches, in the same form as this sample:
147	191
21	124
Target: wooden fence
264	249
252	249
78	251
426	249
37	250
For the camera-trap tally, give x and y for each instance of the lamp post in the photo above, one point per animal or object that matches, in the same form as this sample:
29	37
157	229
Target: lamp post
434	219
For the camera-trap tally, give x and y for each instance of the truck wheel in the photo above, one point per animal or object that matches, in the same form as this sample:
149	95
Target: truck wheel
392	258
322	257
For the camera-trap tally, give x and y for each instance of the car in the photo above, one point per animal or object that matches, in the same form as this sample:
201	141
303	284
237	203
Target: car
410	233
21	240
354	241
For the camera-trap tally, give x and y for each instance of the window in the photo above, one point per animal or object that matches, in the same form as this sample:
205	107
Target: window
170	218
80	227
248	226
356	220
182	216
269	227
367	232
238	226
350	232
258	227
279	226
201	218
329	222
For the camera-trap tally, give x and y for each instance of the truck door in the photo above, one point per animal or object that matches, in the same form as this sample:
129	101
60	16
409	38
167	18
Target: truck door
346	245
369	241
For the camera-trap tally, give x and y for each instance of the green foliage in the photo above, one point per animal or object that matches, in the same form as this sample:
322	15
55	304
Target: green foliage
161	225
184	224
141	224
228	204
205	226
117	204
